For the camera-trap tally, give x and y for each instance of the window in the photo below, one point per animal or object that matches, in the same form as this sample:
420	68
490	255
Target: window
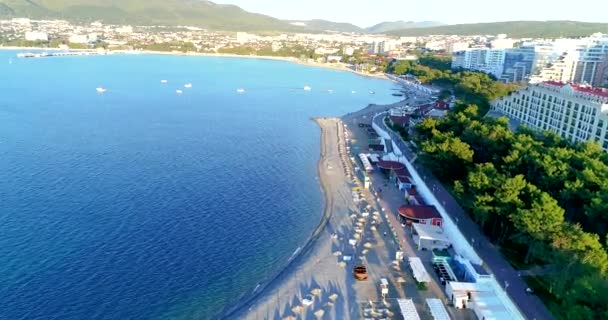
600	123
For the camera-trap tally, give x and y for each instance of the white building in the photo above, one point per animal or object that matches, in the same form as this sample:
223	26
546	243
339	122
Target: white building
457	46
483	59
36	36
502	42
324	51
575	112
79	38
125	29
577	60
435	45
349	51
385	46
244	37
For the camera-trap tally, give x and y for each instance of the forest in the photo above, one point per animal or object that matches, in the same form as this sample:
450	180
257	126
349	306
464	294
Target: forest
540	198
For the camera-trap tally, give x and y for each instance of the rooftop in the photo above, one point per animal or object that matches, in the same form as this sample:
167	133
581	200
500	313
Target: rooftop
390	165
430	232
400	120
600	92
419	212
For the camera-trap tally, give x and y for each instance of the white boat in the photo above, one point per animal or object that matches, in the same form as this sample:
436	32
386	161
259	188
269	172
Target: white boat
307	88
179	91
330	91
164	81
101	90
240	90
188	85
353	92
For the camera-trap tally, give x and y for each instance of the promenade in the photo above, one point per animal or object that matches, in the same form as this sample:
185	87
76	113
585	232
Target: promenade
530	305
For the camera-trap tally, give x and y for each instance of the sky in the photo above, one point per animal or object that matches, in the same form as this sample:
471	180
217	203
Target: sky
365	13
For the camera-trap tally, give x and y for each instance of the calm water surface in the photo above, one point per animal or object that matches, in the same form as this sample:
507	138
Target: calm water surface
144	204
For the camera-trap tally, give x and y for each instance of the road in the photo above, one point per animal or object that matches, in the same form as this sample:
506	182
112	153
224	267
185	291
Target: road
530	305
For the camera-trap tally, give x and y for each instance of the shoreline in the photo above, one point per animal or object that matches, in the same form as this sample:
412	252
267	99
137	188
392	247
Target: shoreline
302	253
329	66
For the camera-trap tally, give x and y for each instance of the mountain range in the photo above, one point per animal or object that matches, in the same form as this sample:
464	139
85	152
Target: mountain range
516	29
210	15
200	13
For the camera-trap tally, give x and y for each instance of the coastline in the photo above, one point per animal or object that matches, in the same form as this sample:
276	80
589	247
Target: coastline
337	67
302	254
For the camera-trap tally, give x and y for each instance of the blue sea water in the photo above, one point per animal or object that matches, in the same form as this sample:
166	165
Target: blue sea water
143	204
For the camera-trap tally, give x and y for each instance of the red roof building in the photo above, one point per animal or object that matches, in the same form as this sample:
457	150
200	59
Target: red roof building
420	214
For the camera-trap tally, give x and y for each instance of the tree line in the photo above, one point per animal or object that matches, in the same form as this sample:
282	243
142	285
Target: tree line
532	193
468	86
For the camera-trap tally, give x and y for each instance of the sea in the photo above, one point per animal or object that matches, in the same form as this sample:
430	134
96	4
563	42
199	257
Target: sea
143	203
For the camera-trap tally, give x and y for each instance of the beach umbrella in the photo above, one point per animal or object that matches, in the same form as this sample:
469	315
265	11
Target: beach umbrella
319	314
333	297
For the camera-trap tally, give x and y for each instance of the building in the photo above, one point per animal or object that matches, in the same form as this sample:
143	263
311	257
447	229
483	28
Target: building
578	60
519	64
435	45
36	36
457	46
384	46
480	59
573	111
324	51
422	214
502	42
79	38
244	37
429	237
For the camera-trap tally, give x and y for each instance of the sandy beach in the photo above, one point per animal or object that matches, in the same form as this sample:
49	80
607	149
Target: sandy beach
315	270
323	268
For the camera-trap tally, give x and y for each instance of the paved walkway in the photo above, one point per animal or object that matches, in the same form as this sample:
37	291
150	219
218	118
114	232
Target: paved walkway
530	305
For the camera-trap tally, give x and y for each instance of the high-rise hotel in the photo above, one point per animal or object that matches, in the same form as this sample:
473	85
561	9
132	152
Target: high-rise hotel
575	112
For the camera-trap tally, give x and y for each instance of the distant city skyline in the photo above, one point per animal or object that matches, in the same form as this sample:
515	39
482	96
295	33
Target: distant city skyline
366	13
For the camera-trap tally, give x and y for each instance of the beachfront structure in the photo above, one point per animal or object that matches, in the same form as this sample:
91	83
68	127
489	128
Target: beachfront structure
429	237
575	112
438	310
408	309
422	214
418	270
480	297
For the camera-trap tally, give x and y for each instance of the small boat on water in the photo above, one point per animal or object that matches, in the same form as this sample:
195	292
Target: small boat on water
179	91
372	92
353	92
307	88
188	85
101	90
164	81
240	90
330	91
398	94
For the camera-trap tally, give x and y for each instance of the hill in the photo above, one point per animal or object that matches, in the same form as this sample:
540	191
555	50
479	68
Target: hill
399	25
200	13
518	29
324	25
